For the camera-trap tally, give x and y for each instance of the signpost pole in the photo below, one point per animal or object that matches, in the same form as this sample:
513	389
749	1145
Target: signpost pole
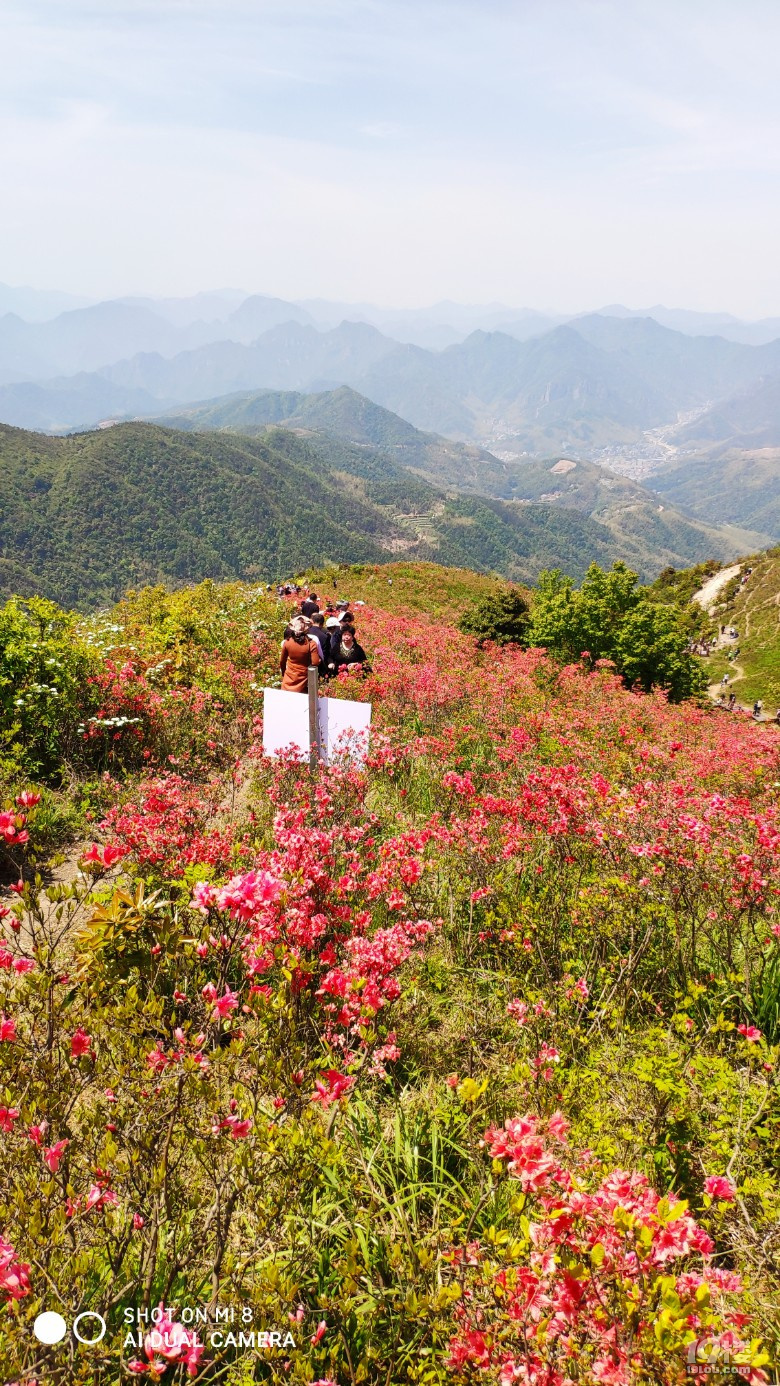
315	748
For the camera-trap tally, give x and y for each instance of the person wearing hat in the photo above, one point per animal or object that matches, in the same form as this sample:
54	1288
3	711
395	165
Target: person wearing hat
300	653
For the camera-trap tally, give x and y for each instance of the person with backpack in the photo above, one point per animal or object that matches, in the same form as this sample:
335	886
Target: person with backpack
300	653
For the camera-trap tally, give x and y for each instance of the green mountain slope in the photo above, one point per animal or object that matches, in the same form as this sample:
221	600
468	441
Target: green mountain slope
651	530
740	485
83	518
344	414
90	515
648	532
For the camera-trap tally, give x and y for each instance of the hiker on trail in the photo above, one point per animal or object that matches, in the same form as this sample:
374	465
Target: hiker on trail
322	636
757	708
724	680
310	606
347	651
300	652
732	701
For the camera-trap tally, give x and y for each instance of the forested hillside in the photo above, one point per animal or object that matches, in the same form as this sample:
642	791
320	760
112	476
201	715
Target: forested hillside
86	517
649	533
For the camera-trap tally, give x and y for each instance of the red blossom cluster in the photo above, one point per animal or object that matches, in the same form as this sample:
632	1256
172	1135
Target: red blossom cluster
613	1283
167	1344
14	1275
167	825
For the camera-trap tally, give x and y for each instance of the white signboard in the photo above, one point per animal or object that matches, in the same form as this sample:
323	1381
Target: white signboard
344	726
285	723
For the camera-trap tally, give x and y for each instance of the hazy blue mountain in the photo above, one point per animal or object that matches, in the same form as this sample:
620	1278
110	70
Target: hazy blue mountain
436	327
81	340
288	357
259	314
546	390
74	402
579	387
748	419
87	339
701	324
215	305
37	305
684	370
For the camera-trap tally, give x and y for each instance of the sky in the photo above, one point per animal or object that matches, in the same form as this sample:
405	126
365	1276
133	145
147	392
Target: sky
556	154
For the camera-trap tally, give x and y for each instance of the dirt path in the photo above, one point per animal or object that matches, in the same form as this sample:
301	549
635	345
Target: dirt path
707	595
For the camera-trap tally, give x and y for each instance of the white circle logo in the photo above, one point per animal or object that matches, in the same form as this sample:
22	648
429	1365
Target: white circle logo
50	1327
89	1314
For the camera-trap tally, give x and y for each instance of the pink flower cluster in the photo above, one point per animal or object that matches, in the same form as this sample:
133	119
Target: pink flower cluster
14	1275
168	1344
586	1292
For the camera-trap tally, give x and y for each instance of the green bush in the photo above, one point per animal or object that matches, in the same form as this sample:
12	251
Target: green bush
44	667
502	617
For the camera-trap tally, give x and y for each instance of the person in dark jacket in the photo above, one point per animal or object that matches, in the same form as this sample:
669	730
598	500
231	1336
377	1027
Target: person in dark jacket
322	636
310	606
347	651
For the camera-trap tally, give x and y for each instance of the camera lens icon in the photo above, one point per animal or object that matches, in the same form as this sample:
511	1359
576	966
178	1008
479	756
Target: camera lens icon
88	1327
50	1328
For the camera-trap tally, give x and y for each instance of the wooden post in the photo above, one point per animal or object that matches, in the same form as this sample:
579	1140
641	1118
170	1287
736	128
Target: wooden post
315	746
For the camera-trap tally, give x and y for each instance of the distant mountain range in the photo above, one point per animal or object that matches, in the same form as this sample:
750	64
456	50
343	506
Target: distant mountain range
527	380
642	394
601	382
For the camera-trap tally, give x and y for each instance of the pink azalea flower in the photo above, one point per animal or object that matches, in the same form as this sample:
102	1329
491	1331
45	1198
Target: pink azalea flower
518	1010
223	1005
751	1034
718	1186
80	1044
54	1153
14	1275
332	1086
8	1115
7	1029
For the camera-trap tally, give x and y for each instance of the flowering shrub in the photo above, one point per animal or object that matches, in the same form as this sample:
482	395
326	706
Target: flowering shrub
260	1031
606	1279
